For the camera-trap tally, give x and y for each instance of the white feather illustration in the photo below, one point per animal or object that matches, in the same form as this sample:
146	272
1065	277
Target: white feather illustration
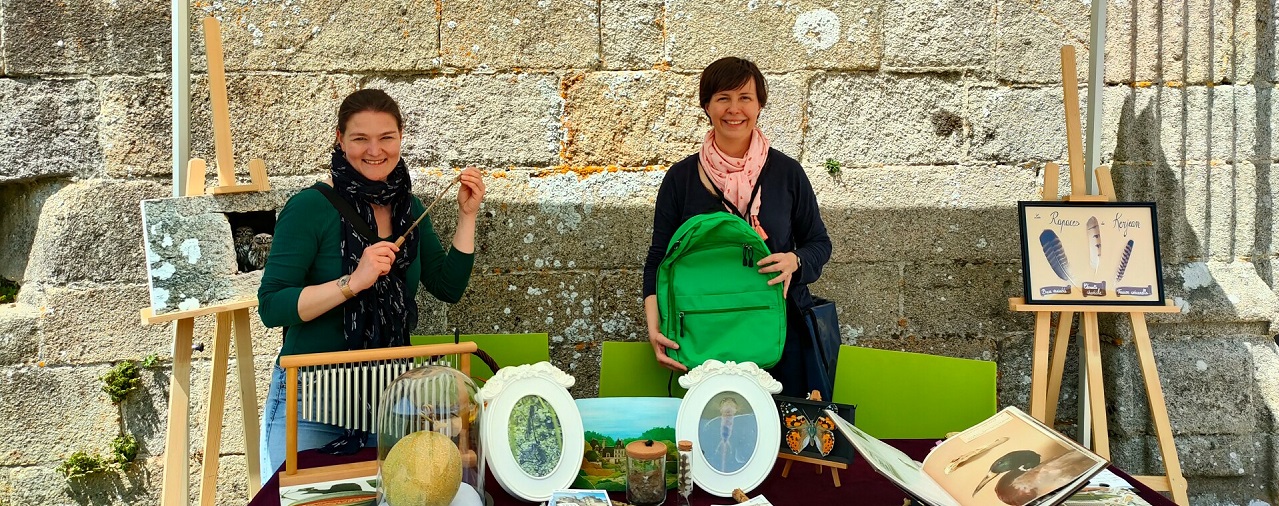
1094	243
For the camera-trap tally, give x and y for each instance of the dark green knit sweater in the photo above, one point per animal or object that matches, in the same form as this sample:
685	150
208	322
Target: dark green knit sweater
305	251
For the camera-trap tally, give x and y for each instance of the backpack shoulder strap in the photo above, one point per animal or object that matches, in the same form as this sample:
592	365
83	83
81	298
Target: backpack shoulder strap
344	208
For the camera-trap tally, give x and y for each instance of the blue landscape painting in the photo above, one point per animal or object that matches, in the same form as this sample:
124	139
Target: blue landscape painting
610	423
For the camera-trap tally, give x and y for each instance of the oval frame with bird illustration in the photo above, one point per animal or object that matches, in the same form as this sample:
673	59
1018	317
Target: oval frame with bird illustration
1092	253
737	447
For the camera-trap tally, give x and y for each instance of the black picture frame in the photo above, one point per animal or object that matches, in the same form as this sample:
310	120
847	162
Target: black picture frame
842	452
1090	253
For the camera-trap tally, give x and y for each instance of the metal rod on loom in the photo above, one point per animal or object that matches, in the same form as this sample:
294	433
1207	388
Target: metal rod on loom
361	409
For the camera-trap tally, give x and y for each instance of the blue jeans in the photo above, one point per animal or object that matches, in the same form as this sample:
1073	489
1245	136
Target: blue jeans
310	434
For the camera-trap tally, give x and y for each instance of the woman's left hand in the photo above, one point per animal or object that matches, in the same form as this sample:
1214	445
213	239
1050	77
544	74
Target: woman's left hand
785	263
471	194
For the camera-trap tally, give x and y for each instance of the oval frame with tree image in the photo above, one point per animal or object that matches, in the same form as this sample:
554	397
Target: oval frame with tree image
505	391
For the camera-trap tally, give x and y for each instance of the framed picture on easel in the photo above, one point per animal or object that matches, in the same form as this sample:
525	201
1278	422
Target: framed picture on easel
1104	253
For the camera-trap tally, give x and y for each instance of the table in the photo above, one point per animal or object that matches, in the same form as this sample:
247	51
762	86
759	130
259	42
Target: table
861	484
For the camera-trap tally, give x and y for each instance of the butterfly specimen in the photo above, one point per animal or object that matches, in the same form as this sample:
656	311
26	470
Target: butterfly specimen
802	431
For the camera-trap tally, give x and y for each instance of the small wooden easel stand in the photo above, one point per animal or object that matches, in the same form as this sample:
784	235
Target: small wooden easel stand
1044	394
231	315
791	458
221	129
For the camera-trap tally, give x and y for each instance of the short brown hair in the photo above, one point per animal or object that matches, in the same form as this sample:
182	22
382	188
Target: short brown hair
730	73
369	100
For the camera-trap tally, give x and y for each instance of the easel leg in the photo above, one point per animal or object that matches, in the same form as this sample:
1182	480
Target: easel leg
786	468
1159	410
1096	389
248	397
1039	367
176	441
1060	343
213	419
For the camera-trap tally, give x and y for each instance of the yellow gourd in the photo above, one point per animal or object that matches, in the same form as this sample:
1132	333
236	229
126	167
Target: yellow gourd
424	468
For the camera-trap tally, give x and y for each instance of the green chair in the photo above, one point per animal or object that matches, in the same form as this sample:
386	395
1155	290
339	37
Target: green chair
628	369
506	349
902	395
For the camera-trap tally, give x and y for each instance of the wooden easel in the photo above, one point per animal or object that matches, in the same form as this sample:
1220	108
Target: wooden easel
197	167
230	315
791	458
1045	386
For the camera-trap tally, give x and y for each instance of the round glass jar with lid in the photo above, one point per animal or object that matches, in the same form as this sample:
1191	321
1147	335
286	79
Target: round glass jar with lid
428	438
646	472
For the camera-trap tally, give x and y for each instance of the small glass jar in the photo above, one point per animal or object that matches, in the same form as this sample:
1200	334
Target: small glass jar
646	473
685	476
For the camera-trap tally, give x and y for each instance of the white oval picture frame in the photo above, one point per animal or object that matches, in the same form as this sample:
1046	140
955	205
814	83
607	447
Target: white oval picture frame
741	396
548	386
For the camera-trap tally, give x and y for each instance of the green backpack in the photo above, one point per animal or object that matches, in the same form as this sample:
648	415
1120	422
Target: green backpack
713	301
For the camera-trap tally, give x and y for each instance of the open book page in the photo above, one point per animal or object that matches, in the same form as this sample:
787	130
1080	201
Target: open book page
1010	458
893	464
1106	489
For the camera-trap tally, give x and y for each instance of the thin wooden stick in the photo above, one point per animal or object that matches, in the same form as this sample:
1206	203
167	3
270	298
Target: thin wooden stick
399	242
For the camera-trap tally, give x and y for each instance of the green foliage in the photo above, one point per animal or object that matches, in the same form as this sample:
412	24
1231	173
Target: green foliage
150	361
595	436
8	291
592	456
120	380
81	464
832	166
124	449
660	434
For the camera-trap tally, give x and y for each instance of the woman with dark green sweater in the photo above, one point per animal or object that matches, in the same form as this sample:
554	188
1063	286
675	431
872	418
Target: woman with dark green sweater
334	288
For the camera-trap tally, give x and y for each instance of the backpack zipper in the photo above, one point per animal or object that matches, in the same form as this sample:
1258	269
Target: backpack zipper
747	254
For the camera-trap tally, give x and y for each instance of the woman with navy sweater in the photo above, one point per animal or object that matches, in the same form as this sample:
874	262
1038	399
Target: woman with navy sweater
735	159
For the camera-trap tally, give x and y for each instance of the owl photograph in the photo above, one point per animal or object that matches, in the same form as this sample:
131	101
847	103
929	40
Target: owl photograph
242	237
258	251
251	248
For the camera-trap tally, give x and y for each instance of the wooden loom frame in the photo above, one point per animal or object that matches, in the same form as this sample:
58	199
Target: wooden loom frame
1045	386
290	363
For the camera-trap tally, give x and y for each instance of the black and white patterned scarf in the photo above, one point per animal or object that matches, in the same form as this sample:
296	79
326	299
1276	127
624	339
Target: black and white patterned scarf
383	315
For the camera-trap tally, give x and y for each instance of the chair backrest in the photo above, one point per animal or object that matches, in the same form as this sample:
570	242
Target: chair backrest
902	395
506	349
629	369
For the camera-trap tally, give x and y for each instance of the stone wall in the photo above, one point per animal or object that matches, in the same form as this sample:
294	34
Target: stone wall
940	113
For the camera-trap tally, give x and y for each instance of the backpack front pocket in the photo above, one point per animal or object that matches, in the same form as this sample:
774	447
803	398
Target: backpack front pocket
741	327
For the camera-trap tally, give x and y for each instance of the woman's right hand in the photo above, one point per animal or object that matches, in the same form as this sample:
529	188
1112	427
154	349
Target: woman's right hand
660	344
374	263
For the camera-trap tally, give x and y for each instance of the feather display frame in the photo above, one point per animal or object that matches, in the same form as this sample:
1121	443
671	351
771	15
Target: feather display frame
1056	255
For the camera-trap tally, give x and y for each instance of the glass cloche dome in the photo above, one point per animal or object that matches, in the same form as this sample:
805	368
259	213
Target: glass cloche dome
428	438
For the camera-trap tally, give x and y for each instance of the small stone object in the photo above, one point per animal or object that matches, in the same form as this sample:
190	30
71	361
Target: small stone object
646	473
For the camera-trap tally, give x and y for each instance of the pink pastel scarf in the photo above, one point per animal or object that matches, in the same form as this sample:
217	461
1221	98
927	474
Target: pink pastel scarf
736	177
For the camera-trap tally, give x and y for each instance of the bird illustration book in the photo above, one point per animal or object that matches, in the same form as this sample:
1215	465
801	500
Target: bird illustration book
1009	458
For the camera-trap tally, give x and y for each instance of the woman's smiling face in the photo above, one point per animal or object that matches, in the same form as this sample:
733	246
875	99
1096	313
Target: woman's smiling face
371	142
733	112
